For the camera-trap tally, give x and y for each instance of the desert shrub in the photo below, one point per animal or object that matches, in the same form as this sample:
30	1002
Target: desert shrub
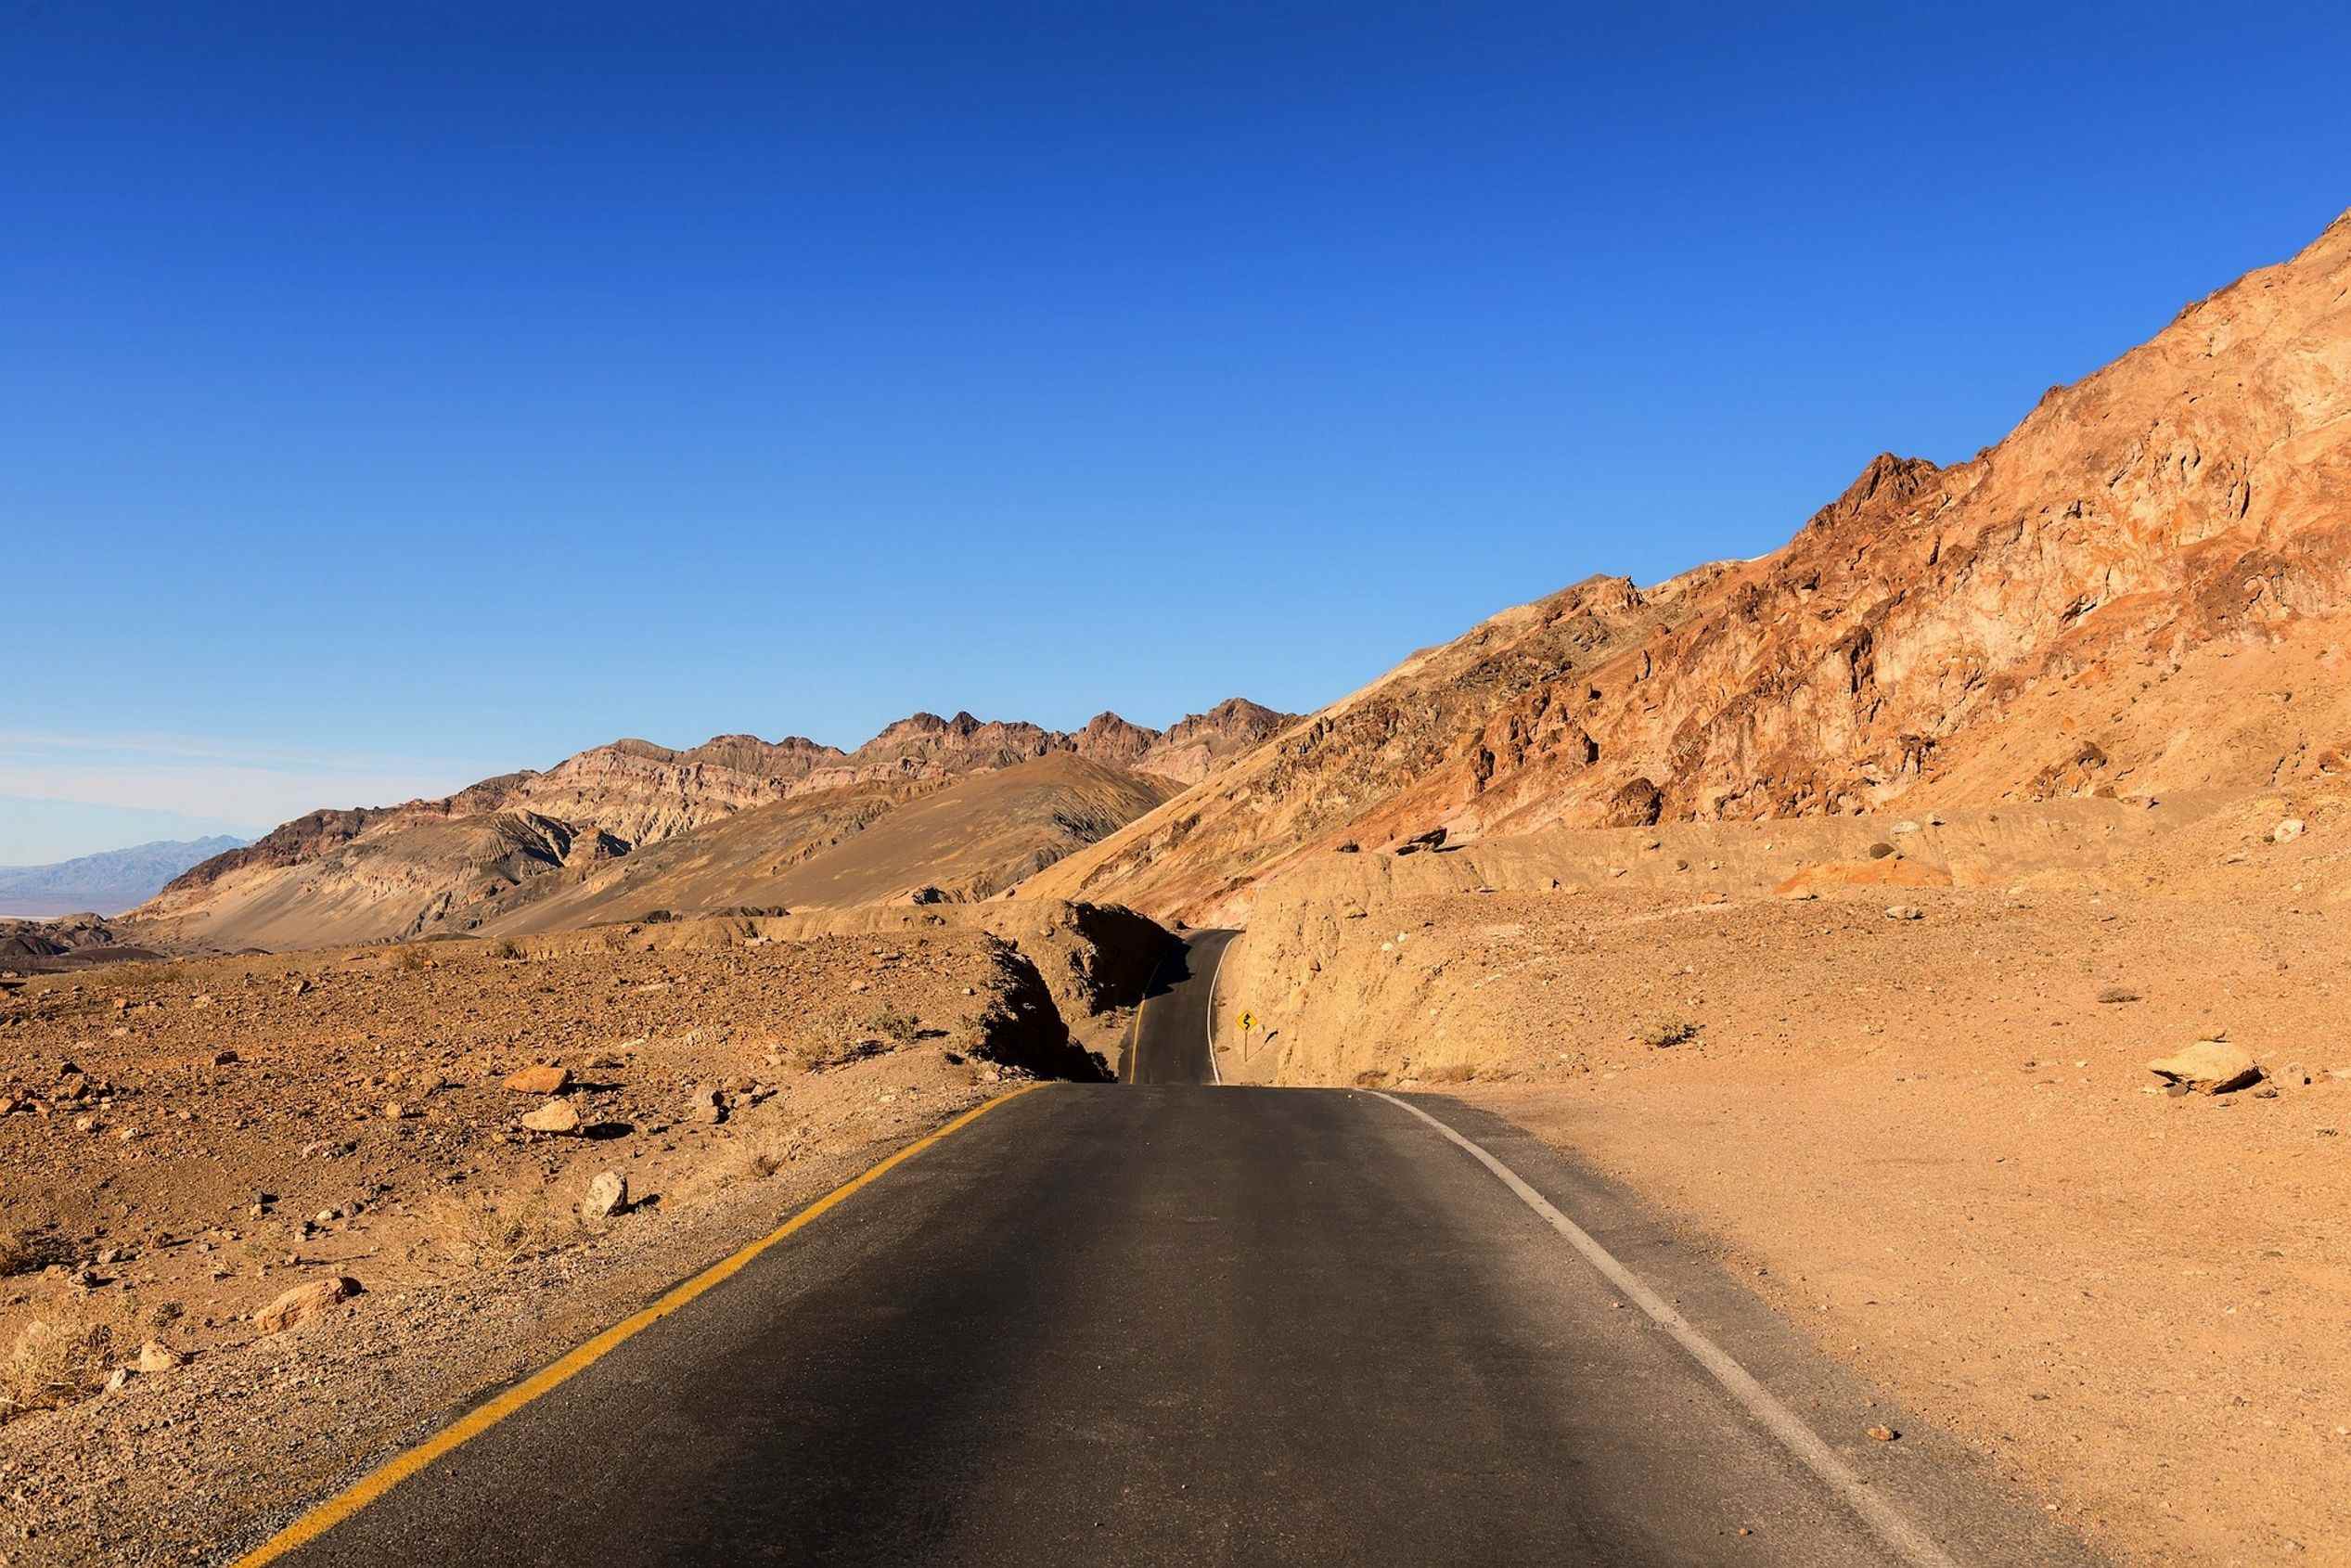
54	1362
485	1232
1372	1077
1452	1073
902	1027
506	947
409	956
1666	1030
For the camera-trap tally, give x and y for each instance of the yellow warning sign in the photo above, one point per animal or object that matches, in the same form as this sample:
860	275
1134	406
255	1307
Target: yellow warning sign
1248	1021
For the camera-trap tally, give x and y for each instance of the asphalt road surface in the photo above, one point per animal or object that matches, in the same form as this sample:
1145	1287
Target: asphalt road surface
1161	1323
1168	1043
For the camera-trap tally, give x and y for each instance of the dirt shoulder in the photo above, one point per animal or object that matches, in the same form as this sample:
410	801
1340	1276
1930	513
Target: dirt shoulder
1935	1144
187	1142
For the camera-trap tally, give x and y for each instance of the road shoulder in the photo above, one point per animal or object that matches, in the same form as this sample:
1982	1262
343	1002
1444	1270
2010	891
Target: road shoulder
1930	1475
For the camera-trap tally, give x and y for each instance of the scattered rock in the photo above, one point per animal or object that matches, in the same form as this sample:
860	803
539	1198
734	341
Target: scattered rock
1883	1434
1349	847
1906	828
1879	850
554	1116
2290	829
1433	839
2209	1067
1903	912
607	1196
2119	994
540	1080
303	1303
224	1059
704	1105
157	1356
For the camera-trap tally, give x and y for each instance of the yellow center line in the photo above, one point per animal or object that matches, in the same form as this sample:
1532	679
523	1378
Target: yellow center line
376	1483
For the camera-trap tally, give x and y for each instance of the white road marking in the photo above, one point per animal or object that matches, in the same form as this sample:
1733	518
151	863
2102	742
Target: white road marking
1216	1074
1799	1439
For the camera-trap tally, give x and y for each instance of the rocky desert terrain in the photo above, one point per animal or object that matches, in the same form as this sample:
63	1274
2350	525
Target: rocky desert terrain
1939	919
1900	1075
265	1215
2145	587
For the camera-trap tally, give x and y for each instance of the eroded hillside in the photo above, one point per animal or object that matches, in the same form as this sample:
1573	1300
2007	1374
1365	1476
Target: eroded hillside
2144	588
629	827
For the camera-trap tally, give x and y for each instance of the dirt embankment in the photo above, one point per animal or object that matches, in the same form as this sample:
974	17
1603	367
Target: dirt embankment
187	1142
1933	1138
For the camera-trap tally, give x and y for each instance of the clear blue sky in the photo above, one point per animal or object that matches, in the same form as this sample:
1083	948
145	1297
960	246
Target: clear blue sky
394	394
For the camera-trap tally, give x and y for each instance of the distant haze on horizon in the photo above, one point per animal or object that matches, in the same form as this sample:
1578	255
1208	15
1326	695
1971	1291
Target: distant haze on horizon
393	398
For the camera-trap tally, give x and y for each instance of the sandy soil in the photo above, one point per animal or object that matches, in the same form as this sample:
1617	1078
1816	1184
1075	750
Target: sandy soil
159	1193
1933	1143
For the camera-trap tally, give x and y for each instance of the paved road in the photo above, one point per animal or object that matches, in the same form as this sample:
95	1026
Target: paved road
1185	1325
1168	1041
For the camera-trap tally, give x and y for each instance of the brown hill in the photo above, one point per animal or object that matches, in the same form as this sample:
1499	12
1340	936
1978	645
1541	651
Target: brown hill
2145	587
530	851
868	843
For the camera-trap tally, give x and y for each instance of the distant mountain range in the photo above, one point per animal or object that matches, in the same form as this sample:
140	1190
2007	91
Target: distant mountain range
107	882
939	808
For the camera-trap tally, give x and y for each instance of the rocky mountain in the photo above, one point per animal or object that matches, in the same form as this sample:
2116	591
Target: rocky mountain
105	884
2145	587
962	840
483	856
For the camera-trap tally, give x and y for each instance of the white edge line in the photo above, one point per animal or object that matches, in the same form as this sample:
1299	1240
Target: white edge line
1799	1439
1216	1074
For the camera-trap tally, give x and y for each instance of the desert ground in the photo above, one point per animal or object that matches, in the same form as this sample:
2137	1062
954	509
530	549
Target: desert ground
1920	1119
192	1146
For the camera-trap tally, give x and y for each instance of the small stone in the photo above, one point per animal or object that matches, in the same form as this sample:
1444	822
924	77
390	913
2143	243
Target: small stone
119	1378
395	1111
554	1116
1880	851
704	1105
2209	1067
1883	1434
1906	828
2285	832
2118	994
157	1356
1905	912
303	1303
607	1196
224	1059
540	1080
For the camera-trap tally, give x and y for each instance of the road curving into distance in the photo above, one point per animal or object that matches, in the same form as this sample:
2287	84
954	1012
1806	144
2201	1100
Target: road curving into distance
1164	1322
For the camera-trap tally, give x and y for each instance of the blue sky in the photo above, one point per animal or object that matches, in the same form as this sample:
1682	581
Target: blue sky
395	395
